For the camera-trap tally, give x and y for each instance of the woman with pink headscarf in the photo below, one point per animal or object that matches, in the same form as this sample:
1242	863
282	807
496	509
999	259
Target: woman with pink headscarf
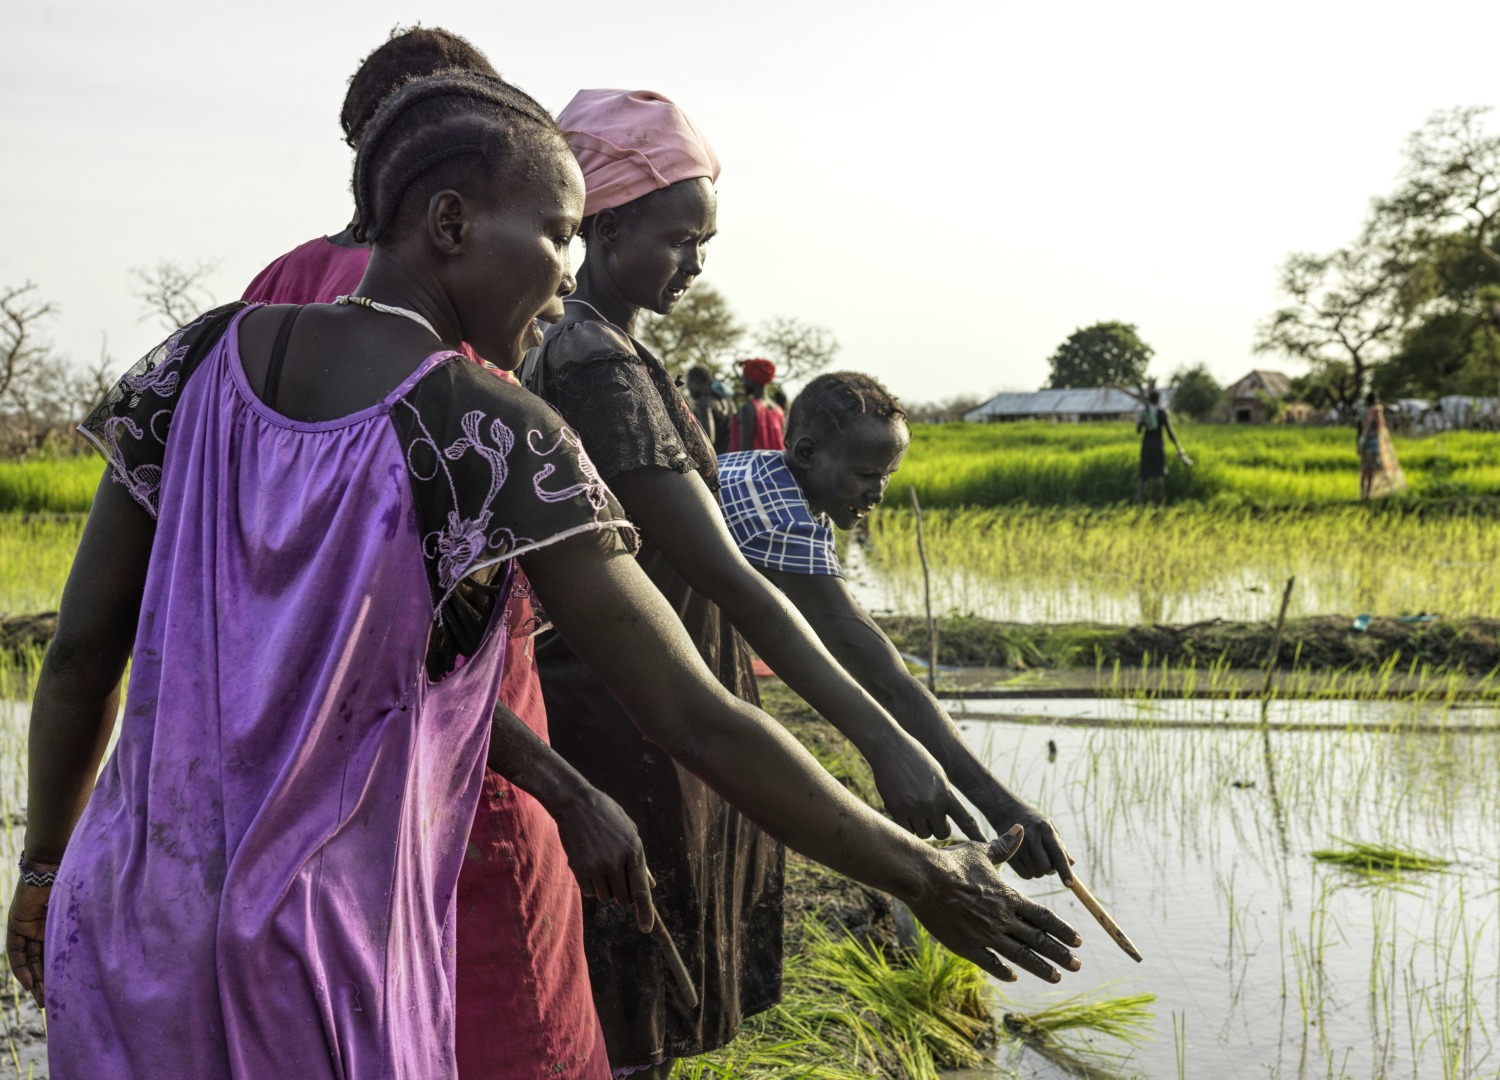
650	210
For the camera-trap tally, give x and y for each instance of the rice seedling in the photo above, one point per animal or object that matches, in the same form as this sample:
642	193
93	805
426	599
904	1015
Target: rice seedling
36	552
1381	859
1127	1018
850	1011
63	485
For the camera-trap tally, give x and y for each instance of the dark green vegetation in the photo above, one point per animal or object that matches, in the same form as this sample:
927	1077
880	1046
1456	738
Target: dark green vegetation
1320	643
1104	354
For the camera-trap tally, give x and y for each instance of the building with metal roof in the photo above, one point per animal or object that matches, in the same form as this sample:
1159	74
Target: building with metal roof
1068	406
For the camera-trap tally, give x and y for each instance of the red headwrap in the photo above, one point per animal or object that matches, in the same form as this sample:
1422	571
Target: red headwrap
759	371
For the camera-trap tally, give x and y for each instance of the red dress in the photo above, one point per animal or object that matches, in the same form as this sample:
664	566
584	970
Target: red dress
767	434
524	1008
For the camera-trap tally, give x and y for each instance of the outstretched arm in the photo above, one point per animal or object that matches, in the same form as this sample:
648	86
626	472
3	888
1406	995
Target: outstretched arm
862	648
619	624
77	695
677	512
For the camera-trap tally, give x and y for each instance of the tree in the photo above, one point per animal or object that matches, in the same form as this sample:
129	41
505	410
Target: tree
1104	354
41	395
174	293
1451	180
800	350
1345	312
1196	393
701	330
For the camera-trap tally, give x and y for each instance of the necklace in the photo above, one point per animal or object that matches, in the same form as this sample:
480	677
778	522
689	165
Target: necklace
591	307
389	309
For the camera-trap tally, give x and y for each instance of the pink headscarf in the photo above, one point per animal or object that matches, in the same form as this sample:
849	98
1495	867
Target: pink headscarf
630	143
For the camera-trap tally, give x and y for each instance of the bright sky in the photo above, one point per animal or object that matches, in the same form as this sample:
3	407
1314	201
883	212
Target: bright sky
951	188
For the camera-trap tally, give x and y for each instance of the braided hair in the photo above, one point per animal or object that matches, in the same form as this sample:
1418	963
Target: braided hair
831	402
436	132
407	54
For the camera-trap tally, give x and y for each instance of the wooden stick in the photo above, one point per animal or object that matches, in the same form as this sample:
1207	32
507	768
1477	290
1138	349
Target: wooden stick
674	964
1103	918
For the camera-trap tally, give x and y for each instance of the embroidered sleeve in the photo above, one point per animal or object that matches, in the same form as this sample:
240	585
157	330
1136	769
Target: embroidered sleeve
495	474
620	417
130	425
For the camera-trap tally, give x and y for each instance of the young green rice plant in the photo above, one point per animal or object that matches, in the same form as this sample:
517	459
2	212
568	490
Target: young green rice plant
63	485
1127	1018
1381	860
36	552
848	1010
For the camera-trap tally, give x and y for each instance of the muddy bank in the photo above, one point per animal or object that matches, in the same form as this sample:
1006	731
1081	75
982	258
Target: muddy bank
1321	642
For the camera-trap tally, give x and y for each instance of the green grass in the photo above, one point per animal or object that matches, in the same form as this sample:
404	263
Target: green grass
36	553
1044	464
1189	562
49	485
1379	859
851	1012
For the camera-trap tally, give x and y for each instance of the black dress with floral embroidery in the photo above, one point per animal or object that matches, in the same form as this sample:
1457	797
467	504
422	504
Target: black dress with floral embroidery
719	878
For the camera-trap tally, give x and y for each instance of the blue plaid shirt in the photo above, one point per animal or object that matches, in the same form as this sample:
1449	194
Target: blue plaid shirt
769	517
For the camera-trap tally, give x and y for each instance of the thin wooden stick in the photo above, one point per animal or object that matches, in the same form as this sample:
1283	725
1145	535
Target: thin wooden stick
1111	927
675	965
1286	598
932	634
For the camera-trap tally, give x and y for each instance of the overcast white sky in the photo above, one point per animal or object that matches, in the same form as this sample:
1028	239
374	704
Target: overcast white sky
951	188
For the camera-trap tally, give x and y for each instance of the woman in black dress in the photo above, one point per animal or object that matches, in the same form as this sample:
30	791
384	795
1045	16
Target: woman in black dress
650	209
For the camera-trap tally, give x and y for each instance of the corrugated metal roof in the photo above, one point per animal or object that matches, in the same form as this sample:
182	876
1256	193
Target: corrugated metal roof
1087	401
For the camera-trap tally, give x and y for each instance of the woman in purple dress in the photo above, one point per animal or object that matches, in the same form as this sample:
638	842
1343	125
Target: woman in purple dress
303	560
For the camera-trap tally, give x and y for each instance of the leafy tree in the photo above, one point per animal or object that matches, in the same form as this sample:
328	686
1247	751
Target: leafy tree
701	330
1196	393
1344	314
1104	354
799	349
1452	181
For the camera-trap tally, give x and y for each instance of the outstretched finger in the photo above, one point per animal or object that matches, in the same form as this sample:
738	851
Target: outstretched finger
1057	855
1047	946
987	961
1047	920
1005	845
965	820
640	894
1022	956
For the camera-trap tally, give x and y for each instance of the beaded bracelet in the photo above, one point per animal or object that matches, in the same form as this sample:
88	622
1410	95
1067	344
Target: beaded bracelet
40	879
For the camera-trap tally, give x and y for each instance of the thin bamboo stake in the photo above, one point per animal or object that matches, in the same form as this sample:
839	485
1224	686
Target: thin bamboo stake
1286	598
932	634
1103	918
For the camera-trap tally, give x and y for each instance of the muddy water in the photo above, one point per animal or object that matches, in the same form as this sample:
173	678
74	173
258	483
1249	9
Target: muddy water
1265	962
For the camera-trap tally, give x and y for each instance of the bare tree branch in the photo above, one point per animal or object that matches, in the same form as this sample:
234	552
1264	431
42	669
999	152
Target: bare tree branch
174	293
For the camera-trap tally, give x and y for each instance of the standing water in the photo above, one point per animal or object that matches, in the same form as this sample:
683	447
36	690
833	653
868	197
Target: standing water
1198	832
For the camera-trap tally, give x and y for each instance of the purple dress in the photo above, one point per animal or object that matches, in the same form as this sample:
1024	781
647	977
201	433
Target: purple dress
262	883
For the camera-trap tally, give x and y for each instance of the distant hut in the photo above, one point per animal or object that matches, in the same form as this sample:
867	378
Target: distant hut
1064	406
1259	397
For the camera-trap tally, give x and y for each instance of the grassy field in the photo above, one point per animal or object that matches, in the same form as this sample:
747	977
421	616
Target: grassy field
1044	464
1186	563
50	486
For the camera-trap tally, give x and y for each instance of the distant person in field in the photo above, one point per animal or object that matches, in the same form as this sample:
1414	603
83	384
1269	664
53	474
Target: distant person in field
846	436
1379	472
1152	423
712	410
758	425
780	404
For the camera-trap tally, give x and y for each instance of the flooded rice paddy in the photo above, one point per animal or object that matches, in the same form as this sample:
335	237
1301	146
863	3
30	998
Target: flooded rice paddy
1196	827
